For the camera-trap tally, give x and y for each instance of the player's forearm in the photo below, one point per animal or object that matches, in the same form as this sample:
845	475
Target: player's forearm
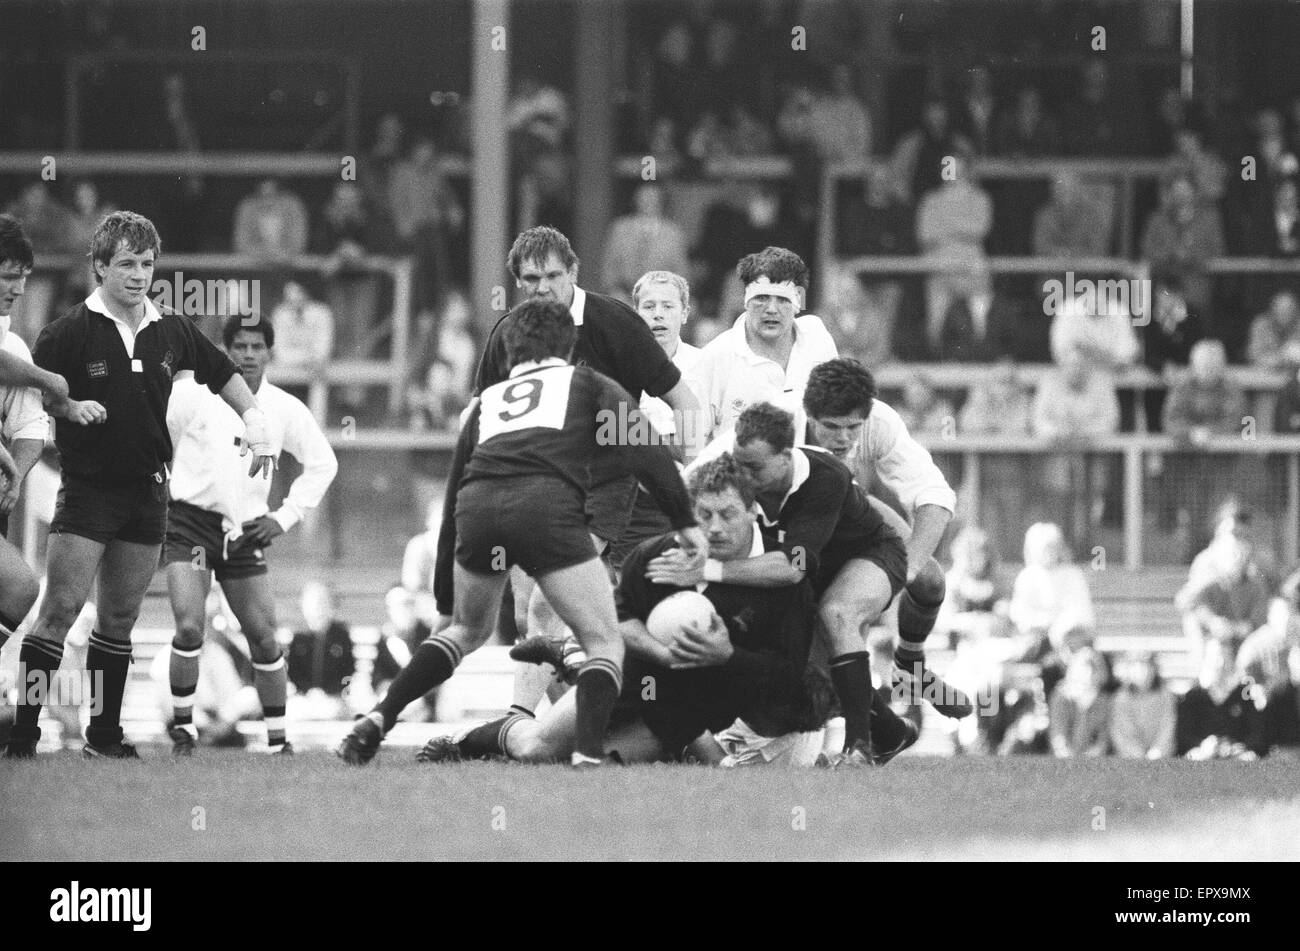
929	522
770	570
238	396
686	411
640	644
25	452
14	371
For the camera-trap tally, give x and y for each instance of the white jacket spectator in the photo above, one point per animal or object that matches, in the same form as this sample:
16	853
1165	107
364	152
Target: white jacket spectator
1050	594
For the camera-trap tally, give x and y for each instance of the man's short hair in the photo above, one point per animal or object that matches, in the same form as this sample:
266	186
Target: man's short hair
718	475
776	264
839	387
254	323
537	244
117	227
539	329
649	278
15	246
766	422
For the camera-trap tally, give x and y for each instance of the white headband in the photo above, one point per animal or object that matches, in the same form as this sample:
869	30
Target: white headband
764	285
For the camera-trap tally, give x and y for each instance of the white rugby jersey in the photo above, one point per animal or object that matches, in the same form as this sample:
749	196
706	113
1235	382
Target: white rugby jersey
208	471
22	413
656	410
730	376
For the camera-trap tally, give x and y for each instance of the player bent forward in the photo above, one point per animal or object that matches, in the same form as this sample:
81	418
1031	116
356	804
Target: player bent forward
529	441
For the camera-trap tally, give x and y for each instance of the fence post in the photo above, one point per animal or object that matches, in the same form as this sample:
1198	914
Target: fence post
1134	516
1291	536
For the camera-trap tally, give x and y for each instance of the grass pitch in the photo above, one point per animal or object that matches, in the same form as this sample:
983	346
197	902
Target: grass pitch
224	805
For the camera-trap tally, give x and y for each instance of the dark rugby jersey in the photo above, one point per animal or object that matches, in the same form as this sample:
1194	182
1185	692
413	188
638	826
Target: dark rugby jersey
86	347
613	340
770	629
826	518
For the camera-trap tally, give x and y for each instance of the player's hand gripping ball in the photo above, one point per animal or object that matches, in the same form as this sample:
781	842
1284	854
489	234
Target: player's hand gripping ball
683	611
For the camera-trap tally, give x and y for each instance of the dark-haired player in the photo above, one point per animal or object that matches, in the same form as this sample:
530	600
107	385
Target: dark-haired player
119	355
768	352
751	663
23	423
823	529
528	444
218	523
846	419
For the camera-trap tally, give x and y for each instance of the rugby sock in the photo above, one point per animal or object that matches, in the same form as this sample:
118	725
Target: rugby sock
107	663
489	739
600	681
915	622
851	675
37	661
272	684
433	662
184	676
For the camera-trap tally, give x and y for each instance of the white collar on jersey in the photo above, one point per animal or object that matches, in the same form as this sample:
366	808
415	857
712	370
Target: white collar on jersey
529	365
578	309
801	468
96	303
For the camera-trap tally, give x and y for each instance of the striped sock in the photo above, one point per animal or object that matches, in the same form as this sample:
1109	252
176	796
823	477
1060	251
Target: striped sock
183	671
600	681
489	740
38	659
433	662
272	683
107	663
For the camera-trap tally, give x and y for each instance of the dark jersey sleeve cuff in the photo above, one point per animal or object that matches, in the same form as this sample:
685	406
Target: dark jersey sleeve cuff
665	381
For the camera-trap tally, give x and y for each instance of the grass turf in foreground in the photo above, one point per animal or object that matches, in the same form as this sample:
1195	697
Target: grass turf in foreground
228	805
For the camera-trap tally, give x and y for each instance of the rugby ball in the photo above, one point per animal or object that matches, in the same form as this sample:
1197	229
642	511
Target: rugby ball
685	610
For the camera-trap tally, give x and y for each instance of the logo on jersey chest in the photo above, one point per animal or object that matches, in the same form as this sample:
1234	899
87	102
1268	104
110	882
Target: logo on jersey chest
168	364
97	369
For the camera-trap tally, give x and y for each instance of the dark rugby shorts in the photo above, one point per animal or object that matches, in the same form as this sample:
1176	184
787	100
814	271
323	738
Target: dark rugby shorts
134	511
537	523
192	531
884	548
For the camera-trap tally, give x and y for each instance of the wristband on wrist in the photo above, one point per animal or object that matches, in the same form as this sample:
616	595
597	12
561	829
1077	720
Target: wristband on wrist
712	570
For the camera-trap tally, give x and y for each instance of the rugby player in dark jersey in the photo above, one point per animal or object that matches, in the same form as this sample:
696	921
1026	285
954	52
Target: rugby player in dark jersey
824	529
528	446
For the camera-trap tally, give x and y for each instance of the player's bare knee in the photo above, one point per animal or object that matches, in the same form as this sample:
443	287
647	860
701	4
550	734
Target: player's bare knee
841	623
189	635
263	646
19	596
116	624
929	586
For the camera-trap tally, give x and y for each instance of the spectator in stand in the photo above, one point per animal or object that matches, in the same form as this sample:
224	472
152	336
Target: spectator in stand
538	119
1286	419
861	317
401	633
421	554
881	225
1203	402
87	212
1076	403
1233	525
1028	130
1282	240
50	227
644	240
385	153
1179	237
320	656
1167	342
1050	599
839	125
678	82
919	157
1144	713
1207	172
304	330
1171	115
976	110
1252	201
1094	118
1275	334
952	222
985	326
1079	710
448	380
427	216
271	223
924	412
1219	718
1073	223
1282	709
1262	658
1226	604
349	232
1100	331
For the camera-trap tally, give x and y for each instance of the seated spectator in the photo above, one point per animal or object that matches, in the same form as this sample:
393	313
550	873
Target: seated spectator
1095	118
421	554
998	405
1218	718
271	223
1275	334
1282	709
1231	526
1207	172
384	154
983	326
304	330
1262	658
1050	599
839	125
1203	402
919	157
976	110
861	316
924	412
1144	713
349	232
1074	223
1079	710
1179	236
449	378
401	633
952	222
1027	130
1167	342
1226	603
643	241
321	665
1100	332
